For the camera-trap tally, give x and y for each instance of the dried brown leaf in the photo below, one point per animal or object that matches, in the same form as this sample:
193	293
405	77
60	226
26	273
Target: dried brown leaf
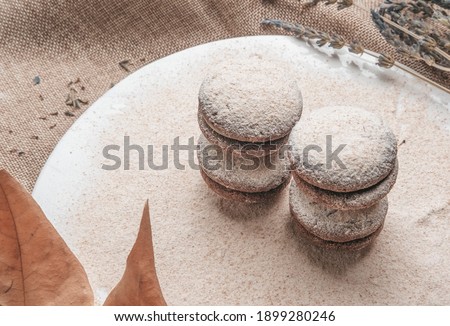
36	265
139	285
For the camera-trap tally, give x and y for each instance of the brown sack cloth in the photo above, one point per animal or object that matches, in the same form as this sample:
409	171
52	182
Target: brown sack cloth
61	41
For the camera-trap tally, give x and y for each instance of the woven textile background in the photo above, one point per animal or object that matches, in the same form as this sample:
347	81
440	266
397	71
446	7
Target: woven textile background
62	41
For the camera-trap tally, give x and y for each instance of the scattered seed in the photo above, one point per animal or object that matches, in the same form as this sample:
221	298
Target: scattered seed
41	97
43	118
78	80
10	132
52	126
69	114
21	153
125	65
35	137
71	96
73	100
36	80
54	114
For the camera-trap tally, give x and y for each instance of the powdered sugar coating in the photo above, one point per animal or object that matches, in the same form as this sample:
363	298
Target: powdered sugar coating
245	197
335	225
239	147
349	200
354	245
253	100
256	175
368	154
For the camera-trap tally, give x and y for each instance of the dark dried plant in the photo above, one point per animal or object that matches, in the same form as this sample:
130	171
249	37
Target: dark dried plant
417	29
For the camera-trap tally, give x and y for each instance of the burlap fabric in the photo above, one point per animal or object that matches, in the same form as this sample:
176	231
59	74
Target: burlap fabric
62	41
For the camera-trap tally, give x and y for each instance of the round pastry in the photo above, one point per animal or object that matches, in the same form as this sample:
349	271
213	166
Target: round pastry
354	245
251	101
247	174
238	147
342	149
335	225
246	197
349	200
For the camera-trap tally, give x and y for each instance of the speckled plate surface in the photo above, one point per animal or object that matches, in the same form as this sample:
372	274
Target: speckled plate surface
213	252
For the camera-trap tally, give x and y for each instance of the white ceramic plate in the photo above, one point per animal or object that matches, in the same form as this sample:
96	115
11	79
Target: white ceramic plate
210	251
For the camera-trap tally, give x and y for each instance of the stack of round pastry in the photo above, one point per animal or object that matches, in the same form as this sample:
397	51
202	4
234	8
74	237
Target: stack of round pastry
246	113
344	162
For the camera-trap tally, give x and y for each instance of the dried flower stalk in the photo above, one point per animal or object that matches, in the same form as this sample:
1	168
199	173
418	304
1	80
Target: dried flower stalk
418	29
337	42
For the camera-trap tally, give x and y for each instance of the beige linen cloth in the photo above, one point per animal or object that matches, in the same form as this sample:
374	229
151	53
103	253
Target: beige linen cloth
62	41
